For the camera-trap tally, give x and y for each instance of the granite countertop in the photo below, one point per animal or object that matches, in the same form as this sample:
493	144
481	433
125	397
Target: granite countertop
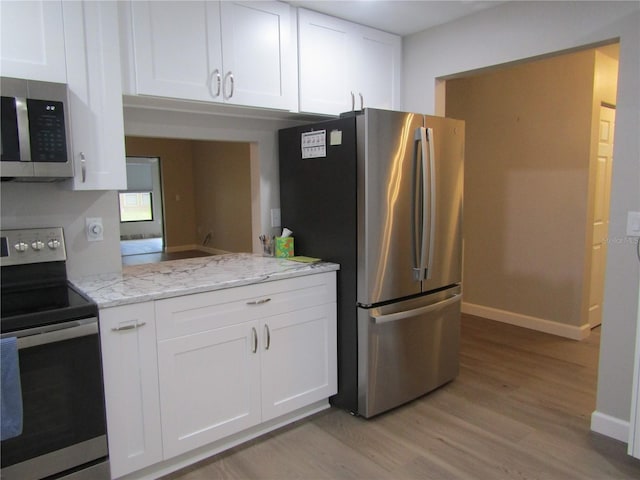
141	283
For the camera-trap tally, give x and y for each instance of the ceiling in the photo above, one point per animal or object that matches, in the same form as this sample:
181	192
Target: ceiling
402	17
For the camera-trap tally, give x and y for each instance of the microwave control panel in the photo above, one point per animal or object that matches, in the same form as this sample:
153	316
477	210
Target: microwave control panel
47	131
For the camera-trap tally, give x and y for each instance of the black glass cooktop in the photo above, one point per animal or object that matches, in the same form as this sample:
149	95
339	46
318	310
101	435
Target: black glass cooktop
34	299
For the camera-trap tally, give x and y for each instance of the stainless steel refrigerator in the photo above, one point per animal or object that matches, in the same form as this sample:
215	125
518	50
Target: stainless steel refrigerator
380	193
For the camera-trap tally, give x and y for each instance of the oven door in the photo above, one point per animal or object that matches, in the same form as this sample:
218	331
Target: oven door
64	426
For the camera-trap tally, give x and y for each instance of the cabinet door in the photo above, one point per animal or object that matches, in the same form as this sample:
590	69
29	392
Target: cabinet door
32	40
324	70
177	49
95	95
299	359
129	363
209	386
258	55
376	58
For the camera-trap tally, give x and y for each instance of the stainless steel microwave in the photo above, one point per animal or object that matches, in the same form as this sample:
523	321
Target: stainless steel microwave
36	142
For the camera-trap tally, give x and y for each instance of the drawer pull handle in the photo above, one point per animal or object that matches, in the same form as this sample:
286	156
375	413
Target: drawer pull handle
259	302
268	335
129	327
254	334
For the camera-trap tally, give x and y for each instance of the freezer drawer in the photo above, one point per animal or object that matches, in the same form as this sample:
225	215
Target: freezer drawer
407	349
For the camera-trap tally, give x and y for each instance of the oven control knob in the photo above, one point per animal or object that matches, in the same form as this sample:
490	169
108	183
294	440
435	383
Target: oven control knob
53	243
21	247
37	245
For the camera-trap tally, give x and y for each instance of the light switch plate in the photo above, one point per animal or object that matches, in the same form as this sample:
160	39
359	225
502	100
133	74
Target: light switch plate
633	224
94	229
275	217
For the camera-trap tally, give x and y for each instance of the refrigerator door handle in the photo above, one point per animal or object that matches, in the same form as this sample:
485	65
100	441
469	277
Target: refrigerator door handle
422	261
432	200
417	208
394	317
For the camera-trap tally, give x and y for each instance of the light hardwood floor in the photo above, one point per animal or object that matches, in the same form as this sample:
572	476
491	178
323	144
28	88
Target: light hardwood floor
520	409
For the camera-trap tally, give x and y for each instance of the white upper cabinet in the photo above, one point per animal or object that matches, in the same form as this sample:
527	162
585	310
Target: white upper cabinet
377	61
32	41
95	95
259	52
233	52
176	49
345	66
324	63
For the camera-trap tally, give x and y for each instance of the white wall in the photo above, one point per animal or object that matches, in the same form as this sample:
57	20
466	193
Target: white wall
31	205
515	31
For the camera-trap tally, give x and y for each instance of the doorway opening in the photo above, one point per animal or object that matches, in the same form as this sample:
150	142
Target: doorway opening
140	208
533	190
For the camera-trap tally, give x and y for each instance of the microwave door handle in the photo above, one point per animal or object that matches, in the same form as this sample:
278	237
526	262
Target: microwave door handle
431	197
22	117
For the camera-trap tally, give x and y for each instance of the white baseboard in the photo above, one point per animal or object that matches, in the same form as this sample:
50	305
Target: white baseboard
610	426
181	248
213	251
526	321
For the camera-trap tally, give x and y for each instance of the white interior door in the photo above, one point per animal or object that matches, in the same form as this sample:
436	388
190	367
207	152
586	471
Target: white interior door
601	214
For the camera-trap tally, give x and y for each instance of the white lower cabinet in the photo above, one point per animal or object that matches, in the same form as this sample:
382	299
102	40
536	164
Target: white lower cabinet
183	372
130	370
299	359
209	387
274	351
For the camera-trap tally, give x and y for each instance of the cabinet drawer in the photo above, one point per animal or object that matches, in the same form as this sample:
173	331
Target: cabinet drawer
205	311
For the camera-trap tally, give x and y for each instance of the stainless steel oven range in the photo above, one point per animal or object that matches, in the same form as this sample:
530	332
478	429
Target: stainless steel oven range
53	416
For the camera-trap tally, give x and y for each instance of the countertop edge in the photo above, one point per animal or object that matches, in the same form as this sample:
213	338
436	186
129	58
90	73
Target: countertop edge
94	287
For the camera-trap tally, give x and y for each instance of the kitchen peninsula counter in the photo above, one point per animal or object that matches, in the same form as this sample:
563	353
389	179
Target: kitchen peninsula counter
141	283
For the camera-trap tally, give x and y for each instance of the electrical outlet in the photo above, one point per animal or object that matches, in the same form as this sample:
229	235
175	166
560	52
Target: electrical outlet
275	217
94	229
633	224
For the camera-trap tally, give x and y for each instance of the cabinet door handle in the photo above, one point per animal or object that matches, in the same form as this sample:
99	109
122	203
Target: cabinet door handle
229	75
129	327
259	302
268	335
215	73
361	101
83	166
353	102
254	334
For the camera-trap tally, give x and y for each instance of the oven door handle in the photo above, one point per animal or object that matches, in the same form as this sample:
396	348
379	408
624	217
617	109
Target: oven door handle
55	333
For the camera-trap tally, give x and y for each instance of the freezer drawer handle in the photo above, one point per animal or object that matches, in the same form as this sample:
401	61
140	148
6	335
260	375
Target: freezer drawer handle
392	317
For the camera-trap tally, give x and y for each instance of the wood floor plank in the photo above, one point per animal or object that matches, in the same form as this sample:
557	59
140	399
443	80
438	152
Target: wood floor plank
519	409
